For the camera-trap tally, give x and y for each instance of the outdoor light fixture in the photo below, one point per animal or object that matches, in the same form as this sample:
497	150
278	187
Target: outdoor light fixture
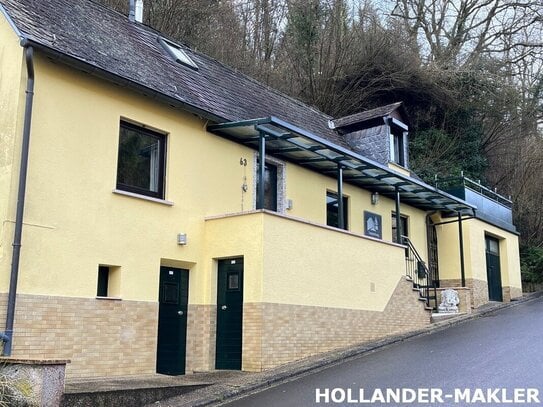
289	204
182	239
374	198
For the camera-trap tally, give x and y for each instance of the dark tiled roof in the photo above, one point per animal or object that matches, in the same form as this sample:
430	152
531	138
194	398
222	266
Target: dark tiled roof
365	116
88	32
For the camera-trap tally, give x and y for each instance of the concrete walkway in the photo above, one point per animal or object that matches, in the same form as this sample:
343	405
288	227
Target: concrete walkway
206	389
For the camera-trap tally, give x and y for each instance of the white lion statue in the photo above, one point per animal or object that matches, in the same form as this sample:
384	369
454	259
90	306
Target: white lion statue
449	301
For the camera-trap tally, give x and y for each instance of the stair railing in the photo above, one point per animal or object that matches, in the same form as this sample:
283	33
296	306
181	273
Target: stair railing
419	274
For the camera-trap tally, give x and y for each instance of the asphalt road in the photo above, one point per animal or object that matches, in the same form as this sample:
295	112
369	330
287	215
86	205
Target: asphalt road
502	350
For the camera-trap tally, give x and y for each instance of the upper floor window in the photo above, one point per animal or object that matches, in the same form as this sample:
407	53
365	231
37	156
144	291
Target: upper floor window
397	151
270	187
404	231
332	210
141	161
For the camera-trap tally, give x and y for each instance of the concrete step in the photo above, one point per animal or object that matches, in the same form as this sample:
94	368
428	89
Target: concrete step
133	391
442	316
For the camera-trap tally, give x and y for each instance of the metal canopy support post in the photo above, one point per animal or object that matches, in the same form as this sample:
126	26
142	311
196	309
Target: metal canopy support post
340	219
261	170
399	230
461	239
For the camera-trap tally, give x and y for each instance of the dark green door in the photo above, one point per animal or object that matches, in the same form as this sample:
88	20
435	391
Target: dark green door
493	272
229	314
172	321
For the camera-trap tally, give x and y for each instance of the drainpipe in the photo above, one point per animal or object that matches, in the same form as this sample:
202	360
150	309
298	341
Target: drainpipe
7	336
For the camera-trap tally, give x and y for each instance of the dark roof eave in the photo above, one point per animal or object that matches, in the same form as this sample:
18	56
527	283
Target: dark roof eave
10	21
101	73
259	122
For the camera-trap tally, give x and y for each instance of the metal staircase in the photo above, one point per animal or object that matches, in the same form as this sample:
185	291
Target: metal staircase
424	281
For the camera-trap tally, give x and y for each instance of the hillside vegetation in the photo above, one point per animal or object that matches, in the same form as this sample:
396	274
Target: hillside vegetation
468	71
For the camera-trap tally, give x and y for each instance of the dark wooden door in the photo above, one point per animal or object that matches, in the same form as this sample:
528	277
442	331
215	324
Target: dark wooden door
493	272
229	314
172	321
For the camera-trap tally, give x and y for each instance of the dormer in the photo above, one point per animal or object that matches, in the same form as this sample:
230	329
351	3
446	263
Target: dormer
380	134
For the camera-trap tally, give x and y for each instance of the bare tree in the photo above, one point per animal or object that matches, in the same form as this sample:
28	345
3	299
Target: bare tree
458	32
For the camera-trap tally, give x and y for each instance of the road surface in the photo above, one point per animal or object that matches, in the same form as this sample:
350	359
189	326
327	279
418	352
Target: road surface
484	360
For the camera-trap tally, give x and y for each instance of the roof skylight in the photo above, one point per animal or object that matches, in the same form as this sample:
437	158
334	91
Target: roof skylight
177	53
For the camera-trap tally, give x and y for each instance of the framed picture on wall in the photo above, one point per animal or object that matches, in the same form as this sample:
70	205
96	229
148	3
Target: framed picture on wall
373	226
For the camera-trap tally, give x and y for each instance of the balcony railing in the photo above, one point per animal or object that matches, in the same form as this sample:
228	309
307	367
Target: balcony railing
491	206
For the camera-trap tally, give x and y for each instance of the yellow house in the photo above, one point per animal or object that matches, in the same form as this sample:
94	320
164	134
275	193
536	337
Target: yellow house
160	212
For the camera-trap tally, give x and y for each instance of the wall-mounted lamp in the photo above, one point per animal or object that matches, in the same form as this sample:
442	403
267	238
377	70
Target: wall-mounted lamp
374	198
182	239
289	204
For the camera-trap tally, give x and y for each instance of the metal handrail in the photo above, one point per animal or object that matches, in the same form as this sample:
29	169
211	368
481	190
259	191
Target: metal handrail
419	274
475	186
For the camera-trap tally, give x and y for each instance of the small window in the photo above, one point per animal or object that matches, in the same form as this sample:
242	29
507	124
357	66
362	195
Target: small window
233	281
108	281
141	160
332	210
492	246
397	147
103	280
170	293
403	224
177	53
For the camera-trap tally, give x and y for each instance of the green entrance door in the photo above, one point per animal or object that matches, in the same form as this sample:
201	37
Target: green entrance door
493	272
172	321
229	314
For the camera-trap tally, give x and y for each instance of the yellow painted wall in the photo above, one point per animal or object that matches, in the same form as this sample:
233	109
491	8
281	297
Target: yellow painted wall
310	265
294	262
236	236
474	232
79	223
307	190
74	221
509	253
12	83
448	249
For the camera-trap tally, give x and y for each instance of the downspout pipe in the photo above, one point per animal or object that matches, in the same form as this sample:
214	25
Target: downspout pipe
7	336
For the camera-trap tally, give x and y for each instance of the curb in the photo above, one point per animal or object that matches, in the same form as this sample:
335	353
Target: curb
223	392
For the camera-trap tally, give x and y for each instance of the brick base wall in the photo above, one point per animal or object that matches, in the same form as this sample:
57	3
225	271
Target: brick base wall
201	334
464	295
291	332
100	337
511	292
478	289
119	338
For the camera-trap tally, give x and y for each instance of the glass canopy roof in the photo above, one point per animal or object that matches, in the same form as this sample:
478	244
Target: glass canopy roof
308	150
